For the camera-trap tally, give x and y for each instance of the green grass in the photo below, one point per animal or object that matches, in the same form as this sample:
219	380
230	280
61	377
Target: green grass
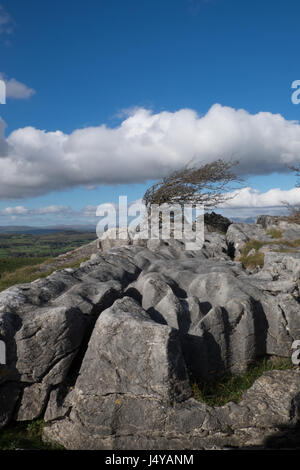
290	243
25	435
257	259
29	273
274	233
21	255
252	244
21	276
252	261
231	387
42	246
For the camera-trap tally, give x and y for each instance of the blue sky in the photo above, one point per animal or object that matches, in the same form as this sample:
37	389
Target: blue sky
149	83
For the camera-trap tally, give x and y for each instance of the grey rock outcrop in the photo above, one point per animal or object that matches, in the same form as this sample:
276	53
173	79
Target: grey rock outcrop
239	234
106	352
289	230
267	221
217	222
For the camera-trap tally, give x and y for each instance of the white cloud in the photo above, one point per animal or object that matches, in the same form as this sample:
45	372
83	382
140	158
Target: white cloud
145	146
52	212
19	210
249	202
16	89
249	197
64	210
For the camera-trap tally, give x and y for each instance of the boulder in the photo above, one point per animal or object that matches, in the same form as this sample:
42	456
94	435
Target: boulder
133	369
268	221
216	222
45	326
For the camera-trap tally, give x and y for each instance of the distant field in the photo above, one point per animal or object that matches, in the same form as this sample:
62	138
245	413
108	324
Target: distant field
40	246
21	254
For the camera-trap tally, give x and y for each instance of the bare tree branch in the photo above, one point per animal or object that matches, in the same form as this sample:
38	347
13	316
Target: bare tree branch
207	185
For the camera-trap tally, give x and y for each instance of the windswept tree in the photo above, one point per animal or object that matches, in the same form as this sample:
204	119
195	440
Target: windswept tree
293	210
208	185
296	169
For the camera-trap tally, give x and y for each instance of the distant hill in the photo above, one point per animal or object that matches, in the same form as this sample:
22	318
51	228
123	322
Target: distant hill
244	220
44	230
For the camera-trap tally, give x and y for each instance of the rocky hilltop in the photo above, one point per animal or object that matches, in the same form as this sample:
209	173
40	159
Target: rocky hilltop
105	352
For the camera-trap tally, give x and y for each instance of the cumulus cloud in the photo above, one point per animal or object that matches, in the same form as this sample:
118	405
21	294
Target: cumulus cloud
16	89
249	197
23	211
145	146
249	202
18	210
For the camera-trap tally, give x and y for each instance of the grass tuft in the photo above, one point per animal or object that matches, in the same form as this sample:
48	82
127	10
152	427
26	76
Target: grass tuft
274	233
232	387
250	245
25	435
252	261
256	259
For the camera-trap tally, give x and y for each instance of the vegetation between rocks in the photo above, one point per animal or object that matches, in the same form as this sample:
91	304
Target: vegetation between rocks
274	233
25	436
257	259
232	387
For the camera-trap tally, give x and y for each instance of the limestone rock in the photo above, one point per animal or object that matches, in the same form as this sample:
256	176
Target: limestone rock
107	351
